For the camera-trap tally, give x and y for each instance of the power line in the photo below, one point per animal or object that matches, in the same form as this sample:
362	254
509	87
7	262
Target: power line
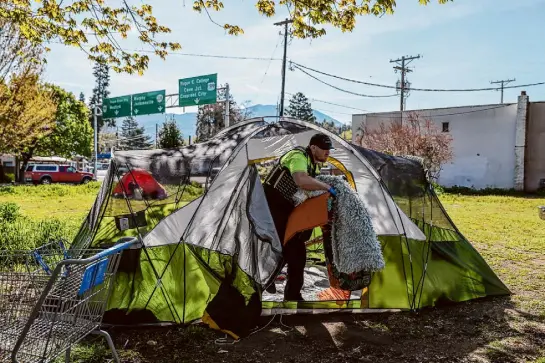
341	89
212	55
300	66
331	111
332	103
416	89
503	82
337	104
402	85
220	56
272	57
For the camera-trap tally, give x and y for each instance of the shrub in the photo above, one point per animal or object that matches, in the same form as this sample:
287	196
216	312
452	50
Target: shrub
484	191
25	234
8	178
9	212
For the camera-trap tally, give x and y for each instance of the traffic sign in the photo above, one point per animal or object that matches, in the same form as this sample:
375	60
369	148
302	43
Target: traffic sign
148	103
201	90
116	107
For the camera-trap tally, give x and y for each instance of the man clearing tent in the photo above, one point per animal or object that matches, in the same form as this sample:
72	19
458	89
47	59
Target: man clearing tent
297	168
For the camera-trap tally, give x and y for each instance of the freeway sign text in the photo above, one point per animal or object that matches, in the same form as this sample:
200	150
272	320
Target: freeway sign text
148	103
201	90
116	107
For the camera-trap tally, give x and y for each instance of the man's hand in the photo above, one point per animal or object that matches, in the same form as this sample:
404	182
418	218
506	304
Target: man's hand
305	181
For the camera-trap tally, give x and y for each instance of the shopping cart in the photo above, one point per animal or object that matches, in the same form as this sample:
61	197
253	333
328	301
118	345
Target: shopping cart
51	298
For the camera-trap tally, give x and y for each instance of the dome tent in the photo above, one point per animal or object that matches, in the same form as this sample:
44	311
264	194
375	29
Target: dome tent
227	234
141	180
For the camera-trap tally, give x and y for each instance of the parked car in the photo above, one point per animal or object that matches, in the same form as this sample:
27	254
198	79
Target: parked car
102	170
53	173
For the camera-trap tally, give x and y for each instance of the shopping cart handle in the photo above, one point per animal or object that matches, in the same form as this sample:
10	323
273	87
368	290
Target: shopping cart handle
117	248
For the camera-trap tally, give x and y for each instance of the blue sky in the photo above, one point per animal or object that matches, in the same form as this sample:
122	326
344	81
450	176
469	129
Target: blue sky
464	44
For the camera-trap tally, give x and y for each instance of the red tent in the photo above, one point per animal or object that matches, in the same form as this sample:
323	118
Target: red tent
140	178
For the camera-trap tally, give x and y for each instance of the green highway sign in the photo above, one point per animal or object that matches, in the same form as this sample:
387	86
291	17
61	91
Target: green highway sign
148	103
116	107
201	90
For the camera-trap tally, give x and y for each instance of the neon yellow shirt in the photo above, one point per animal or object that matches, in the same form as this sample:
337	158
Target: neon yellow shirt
296	162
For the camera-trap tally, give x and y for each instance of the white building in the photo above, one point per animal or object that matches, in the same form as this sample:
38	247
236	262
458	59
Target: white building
497	145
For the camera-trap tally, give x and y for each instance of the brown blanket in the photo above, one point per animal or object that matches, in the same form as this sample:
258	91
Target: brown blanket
310	214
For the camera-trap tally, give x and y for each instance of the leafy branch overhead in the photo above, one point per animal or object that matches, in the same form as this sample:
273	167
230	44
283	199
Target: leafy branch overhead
97	29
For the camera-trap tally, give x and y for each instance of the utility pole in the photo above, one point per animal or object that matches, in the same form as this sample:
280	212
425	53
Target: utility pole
285	23
227	110
156	133
405	60
503	83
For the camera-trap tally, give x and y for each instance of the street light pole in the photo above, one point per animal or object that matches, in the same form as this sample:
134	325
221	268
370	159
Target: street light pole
96	111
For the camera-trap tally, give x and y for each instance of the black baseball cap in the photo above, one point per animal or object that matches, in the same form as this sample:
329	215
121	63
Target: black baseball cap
322	141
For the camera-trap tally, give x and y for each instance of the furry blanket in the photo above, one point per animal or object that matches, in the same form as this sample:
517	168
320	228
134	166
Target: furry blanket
354	242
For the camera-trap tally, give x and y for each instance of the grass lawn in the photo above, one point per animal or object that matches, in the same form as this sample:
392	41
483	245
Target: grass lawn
505	230
52	201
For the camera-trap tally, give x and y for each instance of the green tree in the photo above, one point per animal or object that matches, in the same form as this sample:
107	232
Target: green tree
71	134
300	108
27	114
132	136
210	118
330	126
106	140
80	22
25	107
170	136
101	72
82	97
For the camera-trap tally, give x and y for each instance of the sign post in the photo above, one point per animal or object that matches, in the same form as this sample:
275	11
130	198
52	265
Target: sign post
200	90
148	103
116	107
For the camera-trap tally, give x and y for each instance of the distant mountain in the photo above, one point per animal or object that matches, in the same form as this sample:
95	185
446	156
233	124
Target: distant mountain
186	122
270	110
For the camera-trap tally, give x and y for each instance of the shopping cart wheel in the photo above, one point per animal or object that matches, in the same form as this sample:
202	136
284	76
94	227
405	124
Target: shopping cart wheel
110	343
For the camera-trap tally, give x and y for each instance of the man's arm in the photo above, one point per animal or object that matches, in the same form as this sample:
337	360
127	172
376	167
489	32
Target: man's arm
304	181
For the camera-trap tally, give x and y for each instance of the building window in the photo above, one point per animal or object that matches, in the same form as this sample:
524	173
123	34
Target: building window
445	127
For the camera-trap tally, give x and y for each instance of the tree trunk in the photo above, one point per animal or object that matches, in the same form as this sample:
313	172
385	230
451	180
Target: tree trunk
26	157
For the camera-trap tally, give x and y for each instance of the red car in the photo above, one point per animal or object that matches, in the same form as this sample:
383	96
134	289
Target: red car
53	173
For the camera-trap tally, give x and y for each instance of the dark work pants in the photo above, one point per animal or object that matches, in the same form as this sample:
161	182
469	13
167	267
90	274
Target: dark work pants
295	256
294	250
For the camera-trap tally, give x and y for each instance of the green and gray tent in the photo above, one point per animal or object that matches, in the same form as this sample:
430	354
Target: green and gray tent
210	255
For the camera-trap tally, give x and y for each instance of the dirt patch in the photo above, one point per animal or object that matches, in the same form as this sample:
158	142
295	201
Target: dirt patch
486	330
538	261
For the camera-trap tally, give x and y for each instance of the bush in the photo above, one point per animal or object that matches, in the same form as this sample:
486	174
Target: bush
438	188
8	178
192	191
483	192
9	212
25	234
195	184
